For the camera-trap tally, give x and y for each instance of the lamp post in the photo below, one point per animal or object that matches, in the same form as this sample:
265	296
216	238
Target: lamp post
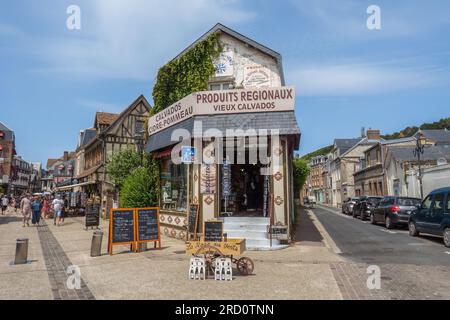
418	151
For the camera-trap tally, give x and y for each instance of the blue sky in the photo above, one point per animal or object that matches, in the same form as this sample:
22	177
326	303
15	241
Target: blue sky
53	80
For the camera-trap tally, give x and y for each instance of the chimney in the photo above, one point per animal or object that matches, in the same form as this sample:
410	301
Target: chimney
373	134
66	155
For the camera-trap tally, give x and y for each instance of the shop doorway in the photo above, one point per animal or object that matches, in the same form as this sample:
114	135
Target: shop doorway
244	191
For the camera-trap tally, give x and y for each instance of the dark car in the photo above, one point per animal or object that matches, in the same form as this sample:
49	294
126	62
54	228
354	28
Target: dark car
364	207
394	211
347	206
433	216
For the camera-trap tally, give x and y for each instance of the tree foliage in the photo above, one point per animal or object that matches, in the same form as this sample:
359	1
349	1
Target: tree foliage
121	165
320	152
141	188
187	74
301	172
410	131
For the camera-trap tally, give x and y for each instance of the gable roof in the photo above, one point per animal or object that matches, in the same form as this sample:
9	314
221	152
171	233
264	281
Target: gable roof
121	116
430	153
105	118
51	162
343	145
441	136
221	28
125	112
3	127
87	137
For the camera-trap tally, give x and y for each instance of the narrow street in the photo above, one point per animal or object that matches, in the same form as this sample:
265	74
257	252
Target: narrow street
411	268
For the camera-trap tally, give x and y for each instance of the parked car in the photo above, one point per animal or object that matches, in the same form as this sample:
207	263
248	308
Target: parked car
365	205
309	201
394	211
433	216
347	206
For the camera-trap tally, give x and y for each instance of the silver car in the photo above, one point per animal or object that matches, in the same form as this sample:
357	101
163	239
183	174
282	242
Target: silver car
348	205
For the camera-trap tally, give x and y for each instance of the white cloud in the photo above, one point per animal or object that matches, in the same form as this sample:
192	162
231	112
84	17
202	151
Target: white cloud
131	39
348	80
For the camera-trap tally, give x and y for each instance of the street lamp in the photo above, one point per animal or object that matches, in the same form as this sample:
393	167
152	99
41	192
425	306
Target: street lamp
418	151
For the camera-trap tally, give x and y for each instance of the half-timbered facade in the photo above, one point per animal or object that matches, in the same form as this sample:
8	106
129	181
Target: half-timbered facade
114	133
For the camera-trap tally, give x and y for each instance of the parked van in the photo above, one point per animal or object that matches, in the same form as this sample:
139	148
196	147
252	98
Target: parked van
433	216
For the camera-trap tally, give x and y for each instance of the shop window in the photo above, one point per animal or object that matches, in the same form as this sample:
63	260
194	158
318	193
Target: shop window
220	86
174	187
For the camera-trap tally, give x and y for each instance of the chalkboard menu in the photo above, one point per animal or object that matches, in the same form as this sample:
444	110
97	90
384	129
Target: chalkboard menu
122	225
192	219
92	218
148	226
213	231
279	232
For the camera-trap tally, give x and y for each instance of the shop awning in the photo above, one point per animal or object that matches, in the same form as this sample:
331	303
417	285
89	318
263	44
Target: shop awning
285	122
65	188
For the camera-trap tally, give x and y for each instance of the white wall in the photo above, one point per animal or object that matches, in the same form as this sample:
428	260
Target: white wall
248	65
435	178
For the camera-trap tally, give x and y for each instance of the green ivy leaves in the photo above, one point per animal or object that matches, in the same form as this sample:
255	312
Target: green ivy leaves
187	74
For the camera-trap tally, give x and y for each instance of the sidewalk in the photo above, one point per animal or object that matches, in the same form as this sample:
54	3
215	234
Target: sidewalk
301	271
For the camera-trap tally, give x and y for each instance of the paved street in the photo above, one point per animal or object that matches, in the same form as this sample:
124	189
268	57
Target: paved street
417	268
328	260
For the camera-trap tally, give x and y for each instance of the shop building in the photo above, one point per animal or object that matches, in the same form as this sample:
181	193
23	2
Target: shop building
111	134
7	152
230	150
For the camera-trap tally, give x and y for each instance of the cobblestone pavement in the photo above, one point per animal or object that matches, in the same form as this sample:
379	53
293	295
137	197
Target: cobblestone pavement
57	263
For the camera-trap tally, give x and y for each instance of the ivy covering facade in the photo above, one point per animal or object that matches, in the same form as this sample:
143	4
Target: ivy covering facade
189	73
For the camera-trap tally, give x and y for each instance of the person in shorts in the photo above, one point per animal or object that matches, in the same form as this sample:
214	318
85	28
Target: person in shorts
57	209
5	202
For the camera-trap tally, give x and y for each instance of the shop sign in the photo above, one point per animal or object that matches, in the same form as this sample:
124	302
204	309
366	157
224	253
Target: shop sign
226	179
251	100
208	179
188	154
257	76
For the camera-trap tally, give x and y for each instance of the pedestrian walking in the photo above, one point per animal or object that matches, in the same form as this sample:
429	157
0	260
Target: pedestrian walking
45	208
36	207
25	208
5	202
57	209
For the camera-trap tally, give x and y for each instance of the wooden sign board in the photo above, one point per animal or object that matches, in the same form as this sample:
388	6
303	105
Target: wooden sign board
147	226
193	220
213	231
92	215
122	228
279	232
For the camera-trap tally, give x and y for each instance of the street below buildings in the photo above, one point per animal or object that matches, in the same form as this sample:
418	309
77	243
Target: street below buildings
411	267
328	259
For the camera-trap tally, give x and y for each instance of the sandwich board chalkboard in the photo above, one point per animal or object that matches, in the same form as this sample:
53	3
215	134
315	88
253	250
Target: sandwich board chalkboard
147	226
122	231
213	231
92	215
193	220
279	232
